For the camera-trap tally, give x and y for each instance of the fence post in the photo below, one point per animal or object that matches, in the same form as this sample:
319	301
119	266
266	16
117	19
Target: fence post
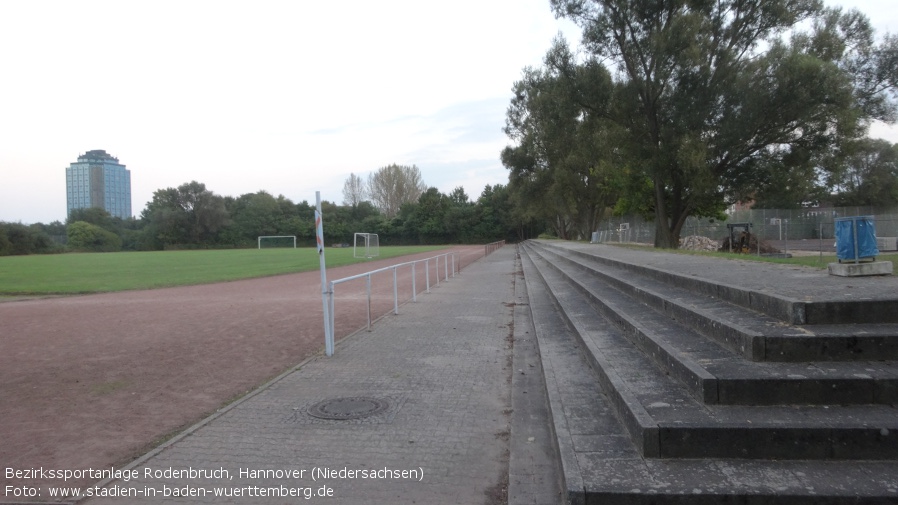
427	273
414	289
446	267
820	234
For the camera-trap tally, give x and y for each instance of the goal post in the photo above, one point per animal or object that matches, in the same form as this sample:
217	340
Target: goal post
365	245
275	240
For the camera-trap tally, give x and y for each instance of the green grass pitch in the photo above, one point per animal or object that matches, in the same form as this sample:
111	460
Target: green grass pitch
79	273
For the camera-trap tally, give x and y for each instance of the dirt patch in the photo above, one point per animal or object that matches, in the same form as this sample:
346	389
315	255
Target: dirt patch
87	382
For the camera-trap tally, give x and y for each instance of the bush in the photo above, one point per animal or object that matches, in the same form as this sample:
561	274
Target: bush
18	239
83	236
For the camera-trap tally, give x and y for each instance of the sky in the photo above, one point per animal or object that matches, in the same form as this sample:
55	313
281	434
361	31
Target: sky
285	96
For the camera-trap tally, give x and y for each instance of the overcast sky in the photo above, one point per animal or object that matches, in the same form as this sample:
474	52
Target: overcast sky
286	96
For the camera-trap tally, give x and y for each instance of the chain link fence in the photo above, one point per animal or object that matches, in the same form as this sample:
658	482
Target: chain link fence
811	229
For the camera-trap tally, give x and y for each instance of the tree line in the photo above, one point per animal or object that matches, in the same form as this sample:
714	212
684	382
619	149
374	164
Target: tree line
192	216
675	108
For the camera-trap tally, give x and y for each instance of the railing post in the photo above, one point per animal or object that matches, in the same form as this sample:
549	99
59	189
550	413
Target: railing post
395	294
446	267
368	289
414	288
427	273
329	344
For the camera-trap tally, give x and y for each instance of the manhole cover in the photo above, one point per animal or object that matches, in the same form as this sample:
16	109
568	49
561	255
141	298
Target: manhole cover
343	409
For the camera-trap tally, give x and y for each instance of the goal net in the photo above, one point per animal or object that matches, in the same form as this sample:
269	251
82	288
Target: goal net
269	241
365	245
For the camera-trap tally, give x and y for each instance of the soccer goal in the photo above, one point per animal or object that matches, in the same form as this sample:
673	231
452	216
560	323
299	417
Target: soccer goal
270	241
365	245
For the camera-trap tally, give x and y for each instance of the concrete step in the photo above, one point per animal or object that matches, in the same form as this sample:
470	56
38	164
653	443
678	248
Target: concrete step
713	373
600	463
665	420
757	336
795	301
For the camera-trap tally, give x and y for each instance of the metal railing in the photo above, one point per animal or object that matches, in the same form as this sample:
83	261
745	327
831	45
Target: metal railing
492	247
449	259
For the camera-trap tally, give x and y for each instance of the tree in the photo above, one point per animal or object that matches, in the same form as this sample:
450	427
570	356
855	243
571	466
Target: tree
460	218
564	162
354	191
458	197
338	224
97	216
84	236
782	187
868	176
188	214
55	228
495	213
166	222
393	185
19	239
429	217
711	97
254	214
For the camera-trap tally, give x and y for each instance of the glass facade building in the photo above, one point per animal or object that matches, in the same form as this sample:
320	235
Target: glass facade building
99	180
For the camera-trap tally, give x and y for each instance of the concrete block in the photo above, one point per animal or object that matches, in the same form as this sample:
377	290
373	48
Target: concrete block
849	312
861	269
847	347
747	441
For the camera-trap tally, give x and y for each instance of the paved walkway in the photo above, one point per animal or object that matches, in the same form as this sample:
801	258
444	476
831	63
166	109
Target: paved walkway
442	370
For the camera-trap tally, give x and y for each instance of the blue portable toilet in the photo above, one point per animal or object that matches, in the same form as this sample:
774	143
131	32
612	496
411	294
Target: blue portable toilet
855	238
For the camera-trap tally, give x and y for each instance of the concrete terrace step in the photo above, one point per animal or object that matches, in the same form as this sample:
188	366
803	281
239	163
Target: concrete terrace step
757	336
665	420
714	374
793	295
602	465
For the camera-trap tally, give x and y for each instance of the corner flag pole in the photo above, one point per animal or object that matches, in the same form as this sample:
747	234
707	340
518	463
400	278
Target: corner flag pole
319	235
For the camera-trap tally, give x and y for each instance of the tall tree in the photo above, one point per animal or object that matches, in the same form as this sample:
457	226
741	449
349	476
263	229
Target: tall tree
429	217
354	191
709	92
868	176
255	214
459	197
393	185
564	160
188	214
495	216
